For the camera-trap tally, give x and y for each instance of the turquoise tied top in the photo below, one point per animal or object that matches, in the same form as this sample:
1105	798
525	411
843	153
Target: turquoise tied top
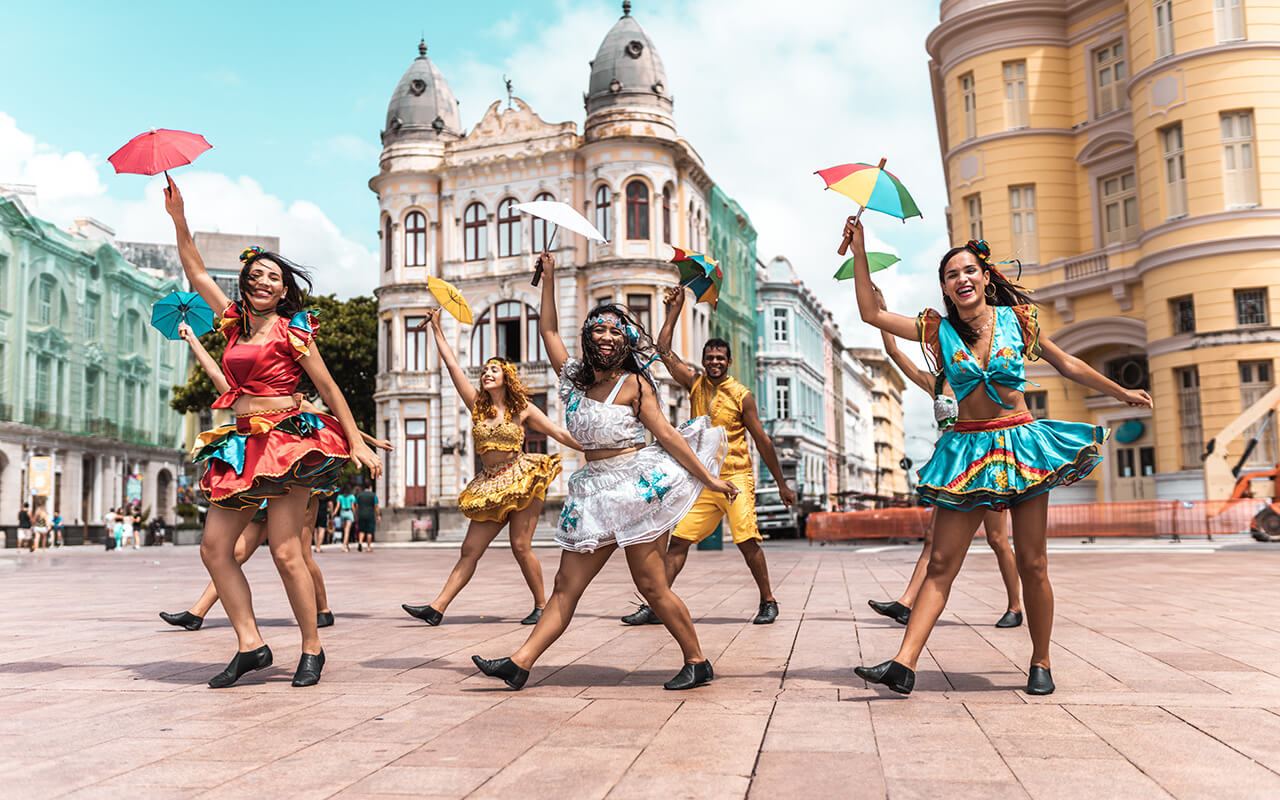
1005	363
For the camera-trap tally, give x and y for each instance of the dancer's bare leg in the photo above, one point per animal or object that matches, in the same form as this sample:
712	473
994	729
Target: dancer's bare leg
676	556
909	594
308	536
993	522
284	521
753	554
222	528
1030	518
520	532
479	535
648	570
953	532
247	543
576	572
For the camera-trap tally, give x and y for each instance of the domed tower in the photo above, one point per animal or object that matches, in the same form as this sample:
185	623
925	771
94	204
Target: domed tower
627	94
422	116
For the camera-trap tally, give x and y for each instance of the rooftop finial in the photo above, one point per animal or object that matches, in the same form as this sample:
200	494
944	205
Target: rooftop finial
626	8
422	48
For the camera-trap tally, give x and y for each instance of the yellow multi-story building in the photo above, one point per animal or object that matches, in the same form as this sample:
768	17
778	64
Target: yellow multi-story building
1129	154
887	429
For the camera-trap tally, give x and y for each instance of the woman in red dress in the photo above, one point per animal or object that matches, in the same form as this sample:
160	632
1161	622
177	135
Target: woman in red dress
274	451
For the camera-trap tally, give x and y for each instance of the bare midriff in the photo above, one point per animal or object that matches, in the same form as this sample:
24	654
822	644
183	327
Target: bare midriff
497	458
600	455
979	406
255	404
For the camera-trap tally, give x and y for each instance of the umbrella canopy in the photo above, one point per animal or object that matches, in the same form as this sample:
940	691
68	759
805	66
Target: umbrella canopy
877	262
451	299
702	275
158	150
561	215
871	187
179	307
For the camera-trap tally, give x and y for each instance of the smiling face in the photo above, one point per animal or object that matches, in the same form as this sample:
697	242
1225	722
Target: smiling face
964	281
493	377
610	343
715	362
262	284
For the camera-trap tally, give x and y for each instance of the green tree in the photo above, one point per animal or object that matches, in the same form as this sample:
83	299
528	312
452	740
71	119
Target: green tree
347	337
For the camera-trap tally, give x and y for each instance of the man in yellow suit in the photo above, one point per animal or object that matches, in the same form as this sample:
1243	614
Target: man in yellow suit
731	406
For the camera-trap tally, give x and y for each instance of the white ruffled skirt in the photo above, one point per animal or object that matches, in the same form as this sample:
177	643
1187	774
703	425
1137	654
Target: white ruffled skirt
637	497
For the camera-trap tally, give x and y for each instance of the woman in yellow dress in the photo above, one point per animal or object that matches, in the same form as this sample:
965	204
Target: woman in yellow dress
511	486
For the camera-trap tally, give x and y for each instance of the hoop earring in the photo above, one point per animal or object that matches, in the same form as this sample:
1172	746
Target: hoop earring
990	291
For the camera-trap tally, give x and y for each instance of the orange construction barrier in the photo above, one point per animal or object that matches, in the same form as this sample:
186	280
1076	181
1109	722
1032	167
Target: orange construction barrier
1137	518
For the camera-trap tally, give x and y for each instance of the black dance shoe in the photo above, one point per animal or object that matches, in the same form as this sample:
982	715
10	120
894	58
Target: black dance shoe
690	676
642	616
504	668
425	613
1039	681
324	619
184	620
533	617
1011	619
892	674
242	663
308	672
768	613
895	611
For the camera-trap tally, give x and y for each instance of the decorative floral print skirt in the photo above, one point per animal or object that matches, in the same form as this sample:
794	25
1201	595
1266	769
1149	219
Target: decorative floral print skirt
496	492
637	497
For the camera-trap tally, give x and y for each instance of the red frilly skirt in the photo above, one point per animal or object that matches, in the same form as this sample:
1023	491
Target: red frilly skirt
267	454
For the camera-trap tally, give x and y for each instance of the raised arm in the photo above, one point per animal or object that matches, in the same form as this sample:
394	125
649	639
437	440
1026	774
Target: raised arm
192	263
533	417
651	416
751	420
465	390
885	320
920	377
548	320
315	368
674	300
1077	370
203	358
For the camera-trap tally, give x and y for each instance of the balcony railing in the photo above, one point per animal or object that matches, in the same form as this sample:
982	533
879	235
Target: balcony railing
1089	264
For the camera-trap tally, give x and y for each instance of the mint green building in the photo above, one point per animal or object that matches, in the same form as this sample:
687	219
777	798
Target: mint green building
84	378
732	241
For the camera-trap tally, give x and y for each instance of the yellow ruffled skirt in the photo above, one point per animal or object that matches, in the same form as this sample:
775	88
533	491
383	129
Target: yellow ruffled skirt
494	493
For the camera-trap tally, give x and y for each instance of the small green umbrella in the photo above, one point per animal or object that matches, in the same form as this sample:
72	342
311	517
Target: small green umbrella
877	261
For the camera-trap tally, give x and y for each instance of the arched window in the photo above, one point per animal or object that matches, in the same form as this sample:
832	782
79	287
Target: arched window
506	325
509	329
386	244
475	234
602	211
415	239
666	213
508	228
637	210
541	231
481	341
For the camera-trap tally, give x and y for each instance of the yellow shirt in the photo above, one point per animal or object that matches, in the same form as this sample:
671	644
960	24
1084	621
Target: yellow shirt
723	404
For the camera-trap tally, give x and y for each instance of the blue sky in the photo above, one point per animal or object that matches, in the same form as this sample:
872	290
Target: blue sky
293	96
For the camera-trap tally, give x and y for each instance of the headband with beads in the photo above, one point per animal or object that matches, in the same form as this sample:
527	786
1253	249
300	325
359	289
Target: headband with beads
616	321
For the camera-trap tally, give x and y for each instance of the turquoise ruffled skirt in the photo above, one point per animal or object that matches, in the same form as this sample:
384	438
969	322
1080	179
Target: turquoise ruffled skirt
999	463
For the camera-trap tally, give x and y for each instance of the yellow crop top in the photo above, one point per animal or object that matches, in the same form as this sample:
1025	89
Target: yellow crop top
505	437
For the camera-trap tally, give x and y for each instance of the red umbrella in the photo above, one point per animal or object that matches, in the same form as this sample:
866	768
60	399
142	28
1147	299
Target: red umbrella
158	150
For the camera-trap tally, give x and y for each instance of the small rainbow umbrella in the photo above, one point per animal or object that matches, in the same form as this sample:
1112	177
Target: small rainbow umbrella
702	275
871	187
450	299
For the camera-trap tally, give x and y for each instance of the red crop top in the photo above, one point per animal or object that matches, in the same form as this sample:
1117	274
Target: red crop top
269	369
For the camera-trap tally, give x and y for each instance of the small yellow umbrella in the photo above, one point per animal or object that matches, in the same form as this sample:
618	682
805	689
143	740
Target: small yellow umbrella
451	299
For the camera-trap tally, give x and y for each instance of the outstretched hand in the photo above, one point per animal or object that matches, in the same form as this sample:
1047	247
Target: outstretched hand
185	333
787	495
1136	398
364	457
432	318
853	235
173	199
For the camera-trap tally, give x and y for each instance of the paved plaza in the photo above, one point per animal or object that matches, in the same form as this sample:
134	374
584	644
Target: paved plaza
1166	656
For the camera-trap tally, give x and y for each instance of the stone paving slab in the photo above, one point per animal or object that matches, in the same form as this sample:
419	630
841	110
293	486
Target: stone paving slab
1167	662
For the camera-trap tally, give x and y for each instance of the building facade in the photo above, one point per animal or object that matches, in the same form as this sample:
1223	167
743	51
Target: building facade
790	379
890	478
858	448
84	379
732	241
445	200
1129	154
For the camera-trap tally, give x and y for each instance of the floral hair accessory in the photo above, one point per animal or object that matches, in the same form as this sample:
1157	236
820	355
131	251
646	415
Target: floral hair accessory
982	250
250	253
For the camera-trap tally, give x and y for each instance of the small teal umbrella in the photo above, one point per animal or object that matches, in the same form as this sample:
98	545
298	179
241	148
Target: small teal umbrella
178	307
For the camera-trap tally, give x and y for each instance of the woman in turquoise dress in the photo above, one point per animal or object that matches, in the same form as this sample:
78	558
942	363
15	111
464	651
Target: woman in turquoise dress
997	455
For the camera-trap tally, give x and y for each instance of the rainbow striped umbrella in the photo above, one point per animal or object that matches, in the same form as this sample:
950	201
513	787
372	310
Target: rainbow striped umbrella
700	274
871	187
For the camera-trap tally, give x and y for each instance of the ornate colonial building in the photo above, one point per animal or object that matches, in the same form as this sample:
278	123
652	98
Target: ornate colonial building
445	197
84	379
1129	154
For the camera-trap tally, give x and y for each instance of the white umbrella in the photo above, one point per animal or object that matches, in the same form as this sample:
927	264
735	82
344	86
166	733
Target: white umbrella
561	215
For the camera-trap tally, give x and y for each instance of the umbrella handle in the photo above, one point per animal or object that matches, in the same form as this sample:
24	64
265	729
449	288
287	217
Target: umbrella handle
537	270
845	242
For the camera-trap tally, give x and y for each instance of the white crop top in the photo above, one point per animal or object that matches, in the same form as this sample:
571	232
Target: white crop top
597	425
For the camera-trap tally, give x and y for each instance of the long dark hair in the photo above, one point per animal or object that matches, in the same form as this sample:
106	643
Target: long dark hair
1006	292
291	274
640	348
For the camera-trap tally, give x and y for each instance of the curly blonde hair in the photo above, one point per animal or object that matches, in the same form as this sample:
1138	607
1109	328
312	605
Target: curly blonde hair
517	395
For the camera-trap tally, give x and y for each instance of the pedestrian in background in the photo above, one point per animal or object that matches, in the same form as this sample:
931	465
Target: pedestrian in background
346	499
57	530
40	529
324	510
24	526
368	515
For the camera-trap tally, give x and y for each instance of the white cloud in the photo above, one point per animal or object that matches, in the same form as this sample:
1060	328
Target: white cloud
345	147
69	185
